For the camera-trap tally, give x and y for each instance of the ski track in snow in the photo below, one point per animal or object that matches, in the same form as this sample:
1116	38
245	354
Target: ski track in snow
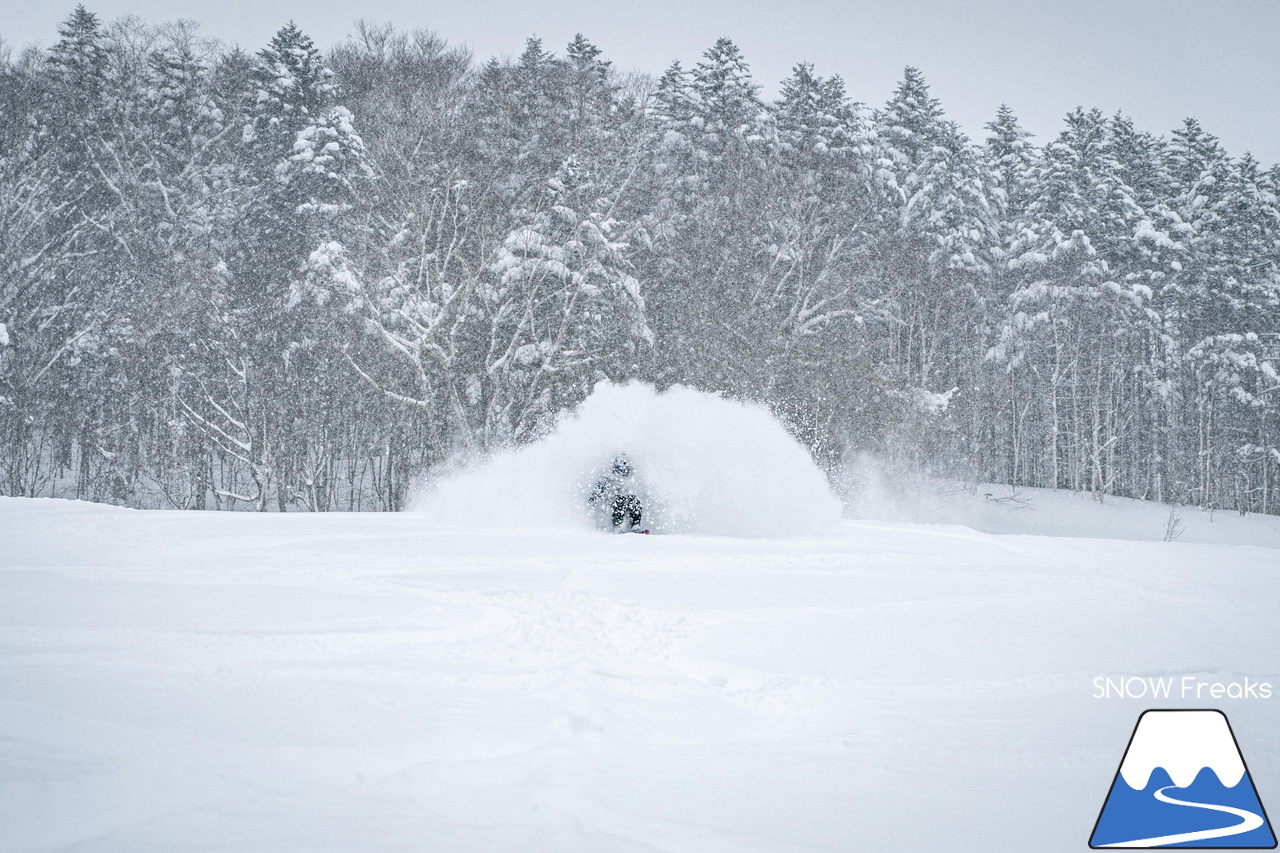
186	681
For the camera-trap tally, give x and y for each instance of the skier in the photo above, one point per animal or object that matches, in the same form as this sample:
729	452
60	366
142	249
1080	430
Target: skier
614	496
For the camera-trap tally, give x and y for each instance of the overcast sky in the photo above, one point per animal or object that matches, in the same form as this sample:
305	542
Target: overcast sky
1157	60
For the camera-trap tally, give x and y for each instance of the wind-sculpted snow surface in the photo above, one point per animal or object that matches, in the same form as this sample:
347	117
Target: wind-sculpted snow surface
703	464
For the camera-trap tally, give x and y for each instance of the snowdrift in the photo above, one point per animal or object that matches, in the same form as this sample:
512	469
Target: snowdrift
704	464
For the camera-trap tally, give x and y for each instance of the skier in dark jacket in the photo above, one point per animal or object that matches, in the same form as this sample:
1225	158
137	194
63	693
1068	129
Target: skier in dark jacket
614	495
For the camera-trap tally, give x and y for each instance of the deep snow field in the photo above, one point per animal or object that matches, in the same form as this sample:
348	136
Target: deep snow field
490	673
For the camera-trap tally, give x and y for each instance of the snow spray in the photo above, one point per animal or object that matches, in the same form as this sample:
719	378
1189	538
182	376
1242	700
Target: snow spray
703	464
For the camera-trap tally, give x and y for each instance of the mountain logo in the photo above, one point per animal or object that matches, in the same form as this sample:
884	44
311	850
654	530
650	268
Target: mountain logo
1183	783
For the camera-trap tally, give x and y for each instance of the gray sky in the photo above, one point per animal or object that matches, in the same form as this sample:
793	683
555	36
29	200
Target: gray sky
1157	60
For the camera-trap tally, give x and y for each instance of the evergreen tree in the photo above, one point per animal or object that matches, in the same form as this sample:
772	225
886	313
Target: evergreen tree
728	97
729	106
912	122
79	59
940	227
1013	158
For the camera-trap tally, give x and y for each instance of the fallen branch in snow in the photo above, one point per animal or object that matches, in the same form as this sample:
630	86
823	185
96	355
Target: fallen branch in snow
1008	499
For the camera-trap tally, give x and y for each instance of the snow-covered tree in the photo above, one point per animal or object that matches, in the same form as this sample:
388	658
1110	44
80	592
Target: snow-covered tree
940	231
290	281
1013	158
1081	320
564	310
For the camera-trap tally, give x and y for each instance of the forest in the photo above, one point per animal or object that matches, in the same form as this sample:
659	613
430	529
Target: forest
294	280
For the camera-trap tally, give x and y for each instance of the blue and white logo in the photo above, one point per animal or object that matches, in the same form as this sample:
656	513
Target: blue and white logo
1183	783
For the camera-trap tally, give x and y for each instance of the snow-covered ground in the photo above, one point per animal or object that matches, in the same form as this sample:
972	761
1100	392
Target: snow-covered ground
183	681
993	508
433	681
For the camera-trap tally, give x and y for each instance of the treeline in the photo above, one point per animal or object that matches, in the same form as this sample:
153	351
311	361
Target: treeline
293	281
